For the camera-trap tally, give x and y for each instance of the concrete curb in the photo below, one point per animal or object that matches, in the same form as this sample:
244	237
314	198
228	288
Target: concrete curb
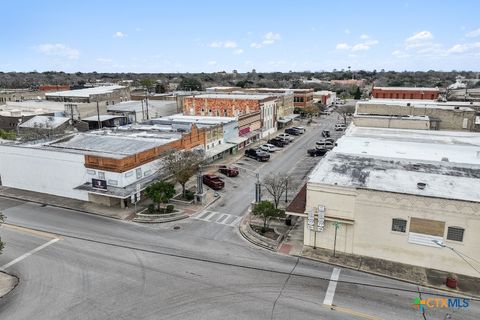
160	219
215	199
252	237
62	207
457	293
12	282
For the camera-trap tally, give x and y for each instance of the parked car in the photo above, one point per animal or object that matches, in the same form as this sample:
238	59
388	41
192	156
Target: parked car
323	144
325	133
286	136
228	171
277	143
213	181
257	154
300	129
292	131
330	140
317	152
340	127
284	140
268	147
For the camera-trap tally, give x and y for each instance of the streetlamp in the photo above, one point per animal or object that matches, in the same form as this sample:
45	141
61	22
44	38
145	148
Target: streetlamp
286	190
458	253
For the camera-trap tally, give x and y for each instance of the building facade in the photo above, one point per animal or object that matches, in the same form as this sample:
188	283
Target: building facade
405	93
401	203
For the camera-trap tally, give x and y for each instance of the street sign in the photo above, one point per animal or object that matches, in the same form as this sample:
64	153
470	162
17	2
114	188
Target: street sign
321	219
311	220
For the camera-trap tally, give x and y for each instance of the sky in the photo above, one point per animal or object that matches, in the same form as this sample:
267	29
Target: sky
209	36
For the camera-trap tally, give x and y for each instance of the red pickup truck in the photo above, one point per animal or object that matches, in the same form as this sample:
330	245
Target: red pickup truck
213	181
228	171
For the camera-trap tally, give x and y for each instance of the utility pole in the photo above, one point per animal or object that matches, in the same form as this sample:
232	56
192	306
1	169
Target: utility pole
98	115
286	190
336	225
258	189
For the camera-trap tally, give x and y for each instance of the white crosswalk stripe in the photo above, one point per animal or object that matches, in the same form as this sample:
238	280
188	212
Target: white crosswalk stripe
218	217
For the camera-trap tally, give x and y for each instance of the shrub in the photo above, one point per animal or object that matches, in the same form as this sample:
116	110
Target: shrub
170	208
151	208
189	195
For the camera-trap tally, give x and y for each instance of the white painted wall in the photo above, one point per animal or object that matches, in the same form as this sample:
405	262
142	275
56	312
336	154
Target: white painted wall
45	171
268	110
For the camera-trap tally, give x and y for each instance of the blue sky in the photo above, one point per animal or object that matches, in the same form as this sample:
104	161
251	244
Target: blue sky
207	36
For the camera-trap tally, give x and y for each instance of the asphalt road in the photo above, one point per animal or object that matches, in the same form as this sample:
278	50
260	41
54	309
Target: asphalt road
101	268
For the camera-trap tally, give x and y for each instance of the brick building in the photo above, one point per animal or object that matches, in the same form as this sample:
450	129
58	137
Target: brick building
234	105
405	93
54	87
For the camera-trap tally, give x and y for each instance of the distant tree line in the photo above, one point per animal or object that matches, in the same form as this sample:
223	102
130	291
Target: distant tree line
162	82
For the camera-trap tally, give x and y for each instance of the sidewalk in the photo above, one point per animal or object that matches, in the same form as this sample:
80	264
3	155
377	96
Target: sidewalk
67	203
7	283
293	245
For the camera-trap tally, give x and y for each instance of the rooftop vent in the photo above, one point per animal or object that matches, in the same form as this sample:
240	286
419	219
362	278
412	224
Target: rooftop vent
445	159
408	104
421	185
456	107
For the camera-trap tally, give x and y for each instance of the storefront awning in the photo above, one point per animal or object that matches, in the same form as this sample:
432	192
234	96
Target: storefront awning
218	149
237	140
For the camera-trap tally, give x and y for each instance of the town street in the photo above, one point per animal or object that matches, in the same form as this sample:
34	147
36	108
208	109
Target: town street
80	266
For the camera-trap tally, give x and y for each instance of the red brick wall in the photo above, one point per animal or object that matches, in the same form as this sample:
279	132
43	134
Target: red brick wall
54	87
220	105
404	94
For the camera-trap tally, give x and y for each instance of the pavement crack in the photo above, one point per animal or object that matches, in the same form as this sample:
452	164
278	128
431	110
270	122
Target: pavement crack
420	306
283	287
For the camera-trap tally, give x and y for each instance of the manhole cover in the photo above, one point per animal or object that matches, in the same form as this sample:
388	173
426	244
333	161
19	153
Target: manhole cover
176	227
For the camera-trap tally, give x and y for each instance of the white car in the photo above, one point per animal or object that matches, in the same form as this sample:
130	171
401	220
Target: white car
286	136
301	129
268	147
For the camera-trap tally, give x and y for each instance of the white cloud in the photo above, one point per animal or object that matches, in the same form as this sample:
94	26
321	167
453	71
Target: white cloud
238	51
360	47
59	50
463	48
347	31
105	60
223	44
212	63
342	46
119	34
473	33
419	37
230	44
366	44
268	39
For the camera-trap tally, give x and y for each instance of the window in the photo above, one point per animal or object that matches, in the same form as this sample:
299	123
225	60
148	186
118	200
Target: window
399	225
101	175
455	233
128	174
138	171
90	171
113	182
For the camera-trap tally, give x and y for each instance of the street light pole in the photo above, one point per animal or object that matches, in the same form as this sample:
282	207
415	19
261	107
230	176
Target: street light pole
286	190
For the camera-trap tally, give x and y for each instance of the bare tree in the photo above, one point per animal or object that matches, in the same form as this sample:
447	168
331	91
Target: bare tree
345	111
182	165
276	185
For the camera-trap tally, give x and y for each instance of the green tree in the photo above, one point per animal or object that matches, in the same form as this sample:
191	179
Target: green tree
189	84
149	84
182	165
357	95
2	220
160	192
266	209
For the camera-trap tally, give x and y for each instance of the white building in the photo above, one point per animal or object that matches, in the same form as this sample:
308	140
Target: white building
102	166
395	193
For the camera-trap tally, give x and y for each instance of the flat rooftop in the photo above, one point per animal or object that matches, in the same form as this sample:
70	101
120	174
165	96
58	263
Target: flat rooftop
44	122
84	93
196	119
449	105
237	96
406	88
395	160
109	145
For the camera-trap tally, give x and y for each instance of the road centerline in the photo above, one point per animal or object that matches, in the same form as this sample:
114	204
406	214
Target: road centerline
332	286
26	255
